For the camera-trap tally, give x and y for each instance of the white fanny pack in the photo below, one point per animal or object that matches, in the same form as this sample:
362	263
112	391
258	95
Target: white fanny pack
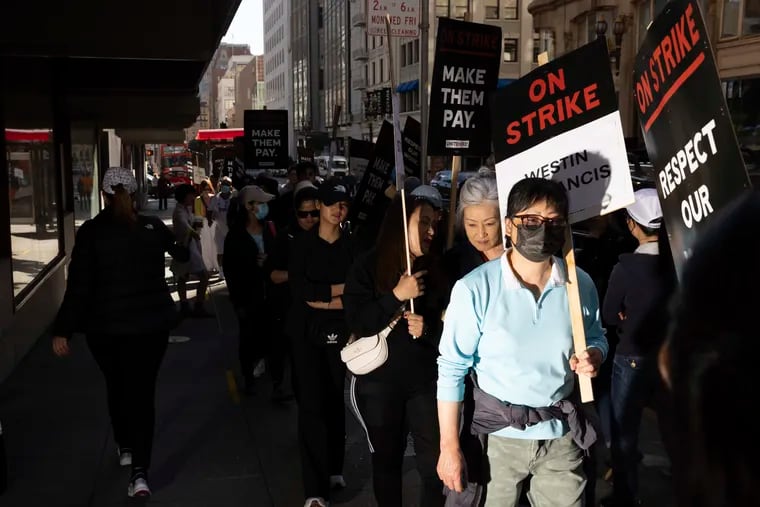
364	355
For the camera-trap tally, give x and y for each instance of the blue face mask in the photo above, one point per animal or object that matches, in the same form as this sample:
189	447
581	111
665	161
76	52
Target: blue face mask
225	189
262	211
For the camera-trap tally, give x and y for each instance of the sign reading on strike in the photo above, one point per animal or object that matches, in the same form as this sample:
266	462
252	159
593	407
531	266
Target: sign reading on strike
561	122
405	20
266	138
466	70
686	124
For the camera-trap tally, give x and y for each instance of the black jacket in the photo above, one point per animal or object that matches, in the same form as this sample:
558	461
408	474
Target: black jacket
246	280
410	361
116	282
639	289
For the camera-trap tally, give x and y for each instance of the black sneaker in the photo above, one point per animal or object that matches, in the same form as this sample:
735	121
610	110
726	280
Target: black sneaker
138	485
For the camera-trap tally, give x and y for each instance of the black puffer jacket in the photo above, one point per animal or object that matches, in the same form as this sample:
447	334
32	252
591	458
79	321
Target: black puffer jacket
117	282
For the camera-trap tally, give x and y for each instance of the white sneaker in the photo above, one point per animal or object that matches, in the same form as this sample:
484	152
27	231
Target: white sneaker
125	457
337	481
138	486
316	502
260	369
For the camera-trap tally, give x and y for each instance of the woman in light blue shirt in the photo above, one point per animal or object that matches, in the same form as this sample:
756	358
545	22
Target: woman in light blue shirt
509	322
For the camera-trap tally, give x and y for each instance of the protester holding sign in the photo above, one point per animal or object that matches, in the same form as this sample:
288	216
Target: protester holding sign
317	267
636	304
399	396
509	321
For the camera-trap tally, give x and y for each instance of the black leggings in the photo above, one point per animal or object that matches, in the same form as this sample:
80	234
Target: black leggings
253	335
130	366
390	413
318	380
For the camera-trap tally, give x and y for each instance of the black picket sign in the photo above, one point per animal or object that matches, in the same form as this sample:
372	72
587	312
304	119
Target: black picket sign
686	125
466	70
266	138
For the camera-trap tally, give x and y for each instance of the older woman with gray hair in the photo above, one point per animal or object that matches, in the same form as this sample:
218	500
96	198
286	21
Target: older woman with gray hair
478	217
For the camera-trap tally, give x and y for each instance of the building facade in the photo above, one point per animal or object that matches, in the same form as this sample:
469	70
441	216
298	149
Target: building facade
307	68
208	87
278	62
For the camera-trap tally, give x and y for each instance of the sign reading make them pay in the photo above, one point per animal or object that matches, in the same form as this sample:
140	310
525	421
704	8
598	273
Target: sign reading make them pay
405	17
561	122
266	138
686	124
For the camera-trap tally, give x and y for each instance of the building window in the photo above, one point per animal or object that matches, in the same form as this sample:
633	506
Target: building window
510	9
510	50
459	9
740	17
442	8
34	203
382	71
492	9
543	41
415	51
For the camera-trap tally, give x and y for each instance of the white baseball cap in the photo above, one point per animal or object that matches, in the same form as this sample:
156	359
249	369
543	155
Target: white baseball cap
646	210
116	176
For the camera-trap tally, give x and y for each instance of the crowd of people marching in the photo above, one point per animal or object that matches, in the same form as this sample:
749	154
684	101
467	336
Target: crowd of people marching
479	365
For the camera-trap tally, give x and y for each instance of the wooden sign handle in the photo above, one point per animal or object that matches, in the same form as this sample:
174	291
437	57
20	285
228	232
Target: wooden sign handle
576	313
456	162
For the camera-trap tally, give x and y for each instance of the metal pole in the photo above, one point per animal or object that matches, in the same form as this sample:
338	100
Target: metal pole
424	63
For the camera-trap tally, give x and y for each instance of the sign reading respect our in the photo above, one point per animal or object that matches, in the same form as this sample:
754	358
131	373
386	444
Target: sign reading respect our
686	124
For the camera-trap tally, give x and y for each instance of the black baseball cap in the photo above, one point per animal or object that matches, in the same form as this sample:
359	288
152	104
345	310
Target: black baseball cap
330	193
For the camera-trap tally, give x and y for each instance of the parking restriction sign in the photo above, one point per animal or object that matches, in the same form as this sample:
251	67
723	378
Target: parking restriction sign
405	20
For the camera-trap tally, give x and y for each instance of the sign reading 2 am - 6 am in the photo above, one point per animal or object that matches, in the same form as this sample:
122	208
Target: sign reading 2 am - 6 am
405	17
561	122
686	124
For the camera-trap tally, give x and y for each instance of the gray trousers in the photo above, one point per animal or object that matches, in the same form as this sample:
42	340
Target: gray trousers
556	467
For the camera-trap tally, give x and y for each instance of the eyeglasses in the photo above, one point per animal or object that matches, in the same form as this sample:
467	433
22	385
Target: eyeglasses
533	222
303	214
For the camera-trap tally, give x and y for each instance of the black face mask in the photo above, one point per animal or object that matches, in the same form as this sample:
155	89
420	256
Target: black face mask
539	244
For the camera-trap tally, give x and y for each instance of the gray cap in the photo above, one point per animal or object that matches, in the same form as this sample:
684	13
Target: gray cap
430	194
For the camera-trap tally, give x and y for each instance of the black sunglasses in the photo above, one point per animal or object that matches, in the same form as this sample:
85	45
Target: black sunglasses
533	222
303	214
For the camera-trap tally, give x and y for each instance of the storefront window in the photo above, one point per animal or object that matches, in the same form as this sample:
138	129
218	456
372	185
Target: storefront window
85	174
743	99
730	23
35	238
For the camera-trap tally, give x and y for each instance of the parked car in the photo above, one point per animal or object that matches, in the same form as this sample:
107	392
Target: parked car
442	182
339	166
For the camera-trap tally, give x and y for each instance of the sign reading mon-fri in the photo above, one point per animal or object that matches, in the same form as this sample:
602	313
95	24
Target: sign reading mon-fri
266	138
561	122
405	17
686	124
466	70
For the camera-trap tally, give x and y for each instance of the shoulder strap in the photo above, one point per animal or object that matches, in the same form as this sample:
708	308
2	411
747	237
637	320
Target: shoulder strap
272	228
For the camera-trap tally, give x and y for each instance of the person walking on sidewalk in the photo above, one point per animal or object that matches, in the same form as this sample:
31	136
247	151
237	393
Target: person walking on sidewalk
304	217
186	230
636	303
508	321
398	397
247	246
317	271
116	294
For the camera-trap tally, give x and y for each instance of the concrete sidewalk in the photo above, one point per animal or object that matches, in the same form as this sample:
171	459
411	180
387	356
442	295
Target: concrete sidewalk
214	447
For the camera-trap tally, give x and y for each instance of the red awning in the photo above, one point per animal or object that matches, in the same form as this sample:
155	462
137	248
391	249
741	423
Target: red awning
17	135
218	134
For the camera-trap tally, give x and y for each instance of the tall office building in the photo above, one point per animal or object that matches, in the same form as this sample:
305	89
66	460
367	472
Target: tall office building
278	75
307	67
337	69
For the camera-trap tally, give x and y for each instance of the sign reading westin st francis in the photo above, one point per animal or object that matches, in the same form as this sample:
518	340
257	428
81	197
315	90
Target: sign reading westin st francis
561	122
266	138
686	124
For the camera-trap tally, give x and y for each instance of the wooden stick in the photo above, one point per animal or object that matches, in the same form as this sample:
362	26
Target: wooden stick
576	312
456	162
399	156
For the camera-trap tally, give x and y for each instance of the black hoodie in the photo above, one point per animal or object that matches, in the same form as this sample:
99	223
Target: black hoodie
639	290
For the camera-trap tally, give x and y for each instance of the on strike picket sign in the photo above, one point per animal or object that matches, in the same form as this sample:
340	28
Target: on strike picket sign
466	70
686	125
266	138
561	122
